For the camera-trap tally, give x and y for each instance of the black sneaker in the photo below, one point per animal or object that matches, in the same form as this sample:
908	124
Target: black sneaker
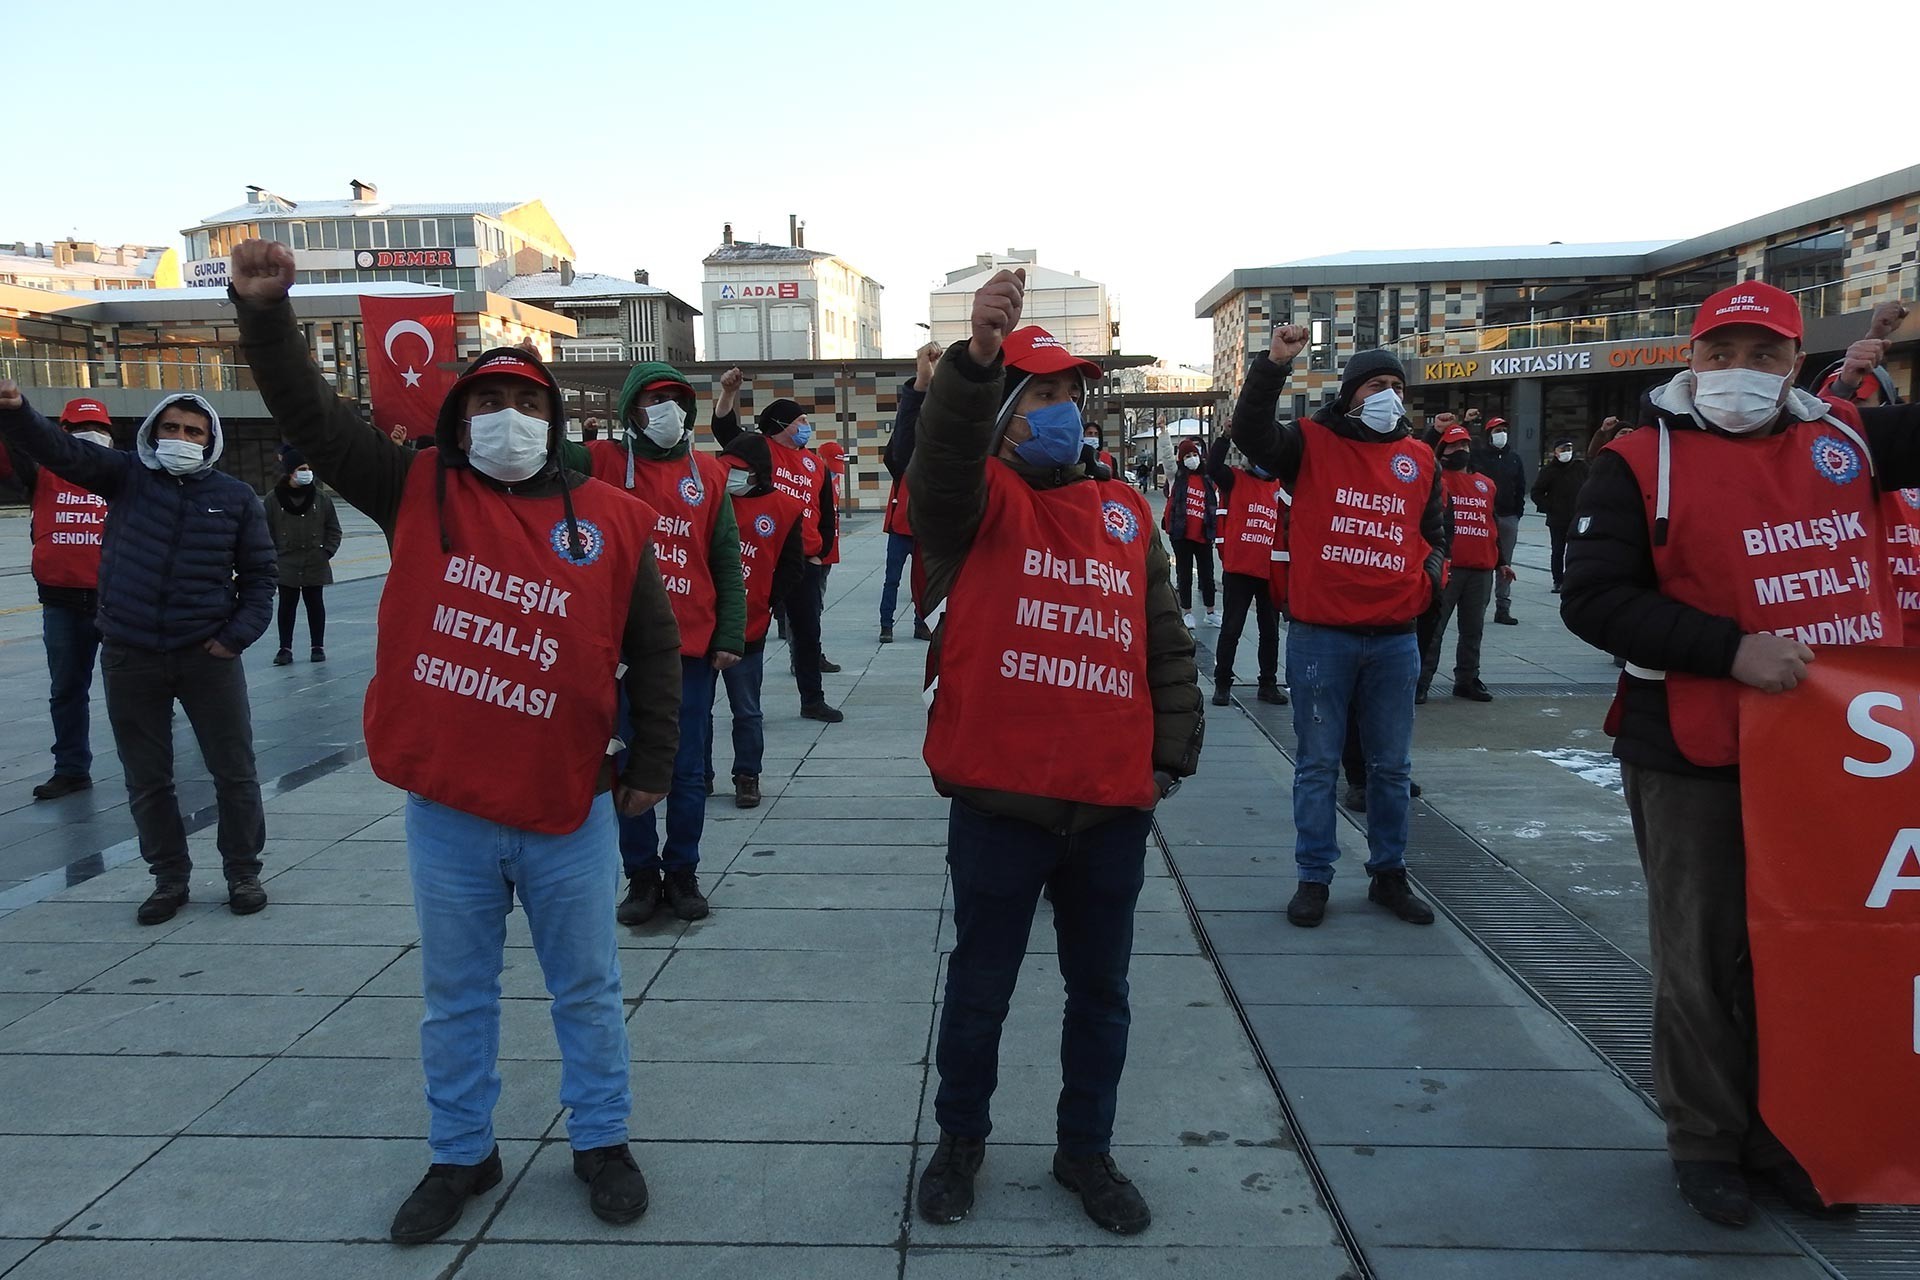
1108	1196
921	631
828	667
284	658
1223	693
1413	789
1389	889
822	712
616	1191
683	894
1271	692
946	1188
1354	798
1472	691
1506	619
245	896
62	784
746	791
1420	694
437	1203
318	655
1714	1189
886	635
642	900
162	903
1795	1186
1309	905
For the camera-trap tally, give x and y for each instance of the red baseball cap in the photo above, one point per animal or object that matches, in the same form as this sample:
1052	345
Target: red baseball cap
1751	303
1456	434
504	364
85	410
836	455
1033	350
1495	422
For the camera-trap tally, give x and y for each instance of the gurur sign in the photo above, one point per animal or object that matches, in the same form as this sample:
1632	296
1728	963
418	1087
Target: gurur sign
1552	362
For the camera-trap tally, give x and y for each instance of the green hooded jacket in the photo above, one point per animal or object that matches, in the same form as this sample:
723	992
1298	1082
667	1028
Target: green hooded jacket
723	556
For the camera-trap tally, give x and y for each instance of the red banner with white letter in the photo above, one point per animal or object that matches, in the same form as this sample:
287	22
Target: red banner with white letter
408	340
1830	791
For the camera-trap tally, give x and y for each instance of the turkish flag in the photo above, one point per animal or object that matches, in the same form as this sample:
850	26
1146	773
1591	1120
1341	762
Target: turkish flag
1832	815
408	340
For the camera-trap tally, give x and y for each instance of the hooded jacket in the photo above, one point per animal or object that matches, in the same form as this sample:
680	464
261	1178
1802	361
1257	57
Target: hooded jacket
184	559
958	425
370	471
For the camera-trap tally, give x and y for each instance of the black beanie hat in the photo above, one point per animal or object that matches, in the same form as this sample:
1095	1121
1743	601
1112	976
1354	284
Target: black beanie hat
1363	366
290	458
778	416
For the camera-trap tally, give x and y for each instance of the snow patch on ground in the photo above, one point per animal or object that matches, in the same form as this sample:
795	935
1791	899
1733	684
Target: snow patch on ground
1597	767
1531	831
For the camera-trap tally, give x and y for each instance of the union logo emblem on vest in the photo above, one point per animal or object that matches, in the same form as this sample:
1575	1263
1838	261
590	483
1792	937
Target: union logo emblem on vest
763	525
1406	467
1836	460
690	492
1481	485
592	542
806	460
1121	523
1911	497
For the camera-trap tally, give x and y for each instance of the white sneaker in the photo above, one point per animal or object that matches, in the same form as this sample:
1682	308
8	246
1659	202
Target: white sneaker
1213	618
1188	619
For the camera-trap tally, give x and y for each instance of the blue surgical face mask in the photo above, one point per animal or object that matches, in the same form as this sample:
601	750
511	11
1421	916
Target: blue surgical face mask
1055	438
802	432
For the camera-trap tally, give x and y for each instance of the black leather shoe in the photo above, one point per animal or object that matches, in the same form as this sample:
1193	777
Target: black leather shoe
162	903
1506	619
318	655
245	896
1714	1189
62	784
828	667
946	1188
822	712
1223	693
642	900
1420	694
684	896
746	791
1271	692
1309	905
284	658
1472	691
616	1191
1108	1196
436	1204
1389	889
1353	798
1795	1186
886	635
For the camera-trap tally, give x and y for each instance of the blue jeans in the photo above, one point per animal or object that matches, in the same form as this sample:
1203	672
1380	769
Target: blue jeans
687	798
73	642
899	547
1332	669
749	726
999	866
466	873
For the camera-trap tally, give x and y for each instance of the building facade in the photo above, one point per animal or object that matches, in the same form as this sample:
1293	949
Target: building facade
68	265
1556	338
787	302
632	320
1078	311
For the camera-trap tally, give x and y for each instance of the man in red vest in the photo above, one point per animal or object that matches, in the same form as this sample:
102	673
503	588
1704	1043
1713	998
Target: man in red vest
1681	540
67	525
1064	706
1189	523
650	455
517	589
1251	531
899	521
1475	560
1368	540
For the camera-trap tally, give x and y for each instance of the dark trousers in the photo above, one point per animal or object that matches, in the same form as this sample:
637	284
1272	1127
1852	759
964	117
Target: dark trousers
142	686
1241	590
73	642
999	866
686	803
1558	537
1465	597
742	680
803	606
1187	555
290	598
899	548
1705	1053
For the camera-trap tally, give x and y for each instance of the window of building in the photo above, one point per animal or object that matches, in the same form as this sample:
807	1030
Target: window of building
1299	406
1366	320
1423	309
1279	308
1677	296
1320	331
362	234
1393	315
1812	269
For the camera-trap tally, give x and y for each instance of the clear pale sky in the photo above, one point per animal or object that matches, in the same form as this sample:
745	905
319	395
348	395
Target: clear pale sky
1151	146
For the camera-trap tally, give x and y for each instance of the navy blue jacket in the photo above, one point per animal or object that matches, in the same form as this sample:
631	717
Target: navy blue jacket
182	561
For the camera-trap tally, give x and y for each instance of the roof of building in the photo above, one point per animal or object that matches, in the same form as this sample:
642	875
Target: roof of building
1417	266
16	264
545	286
273	211
748	251
1038	277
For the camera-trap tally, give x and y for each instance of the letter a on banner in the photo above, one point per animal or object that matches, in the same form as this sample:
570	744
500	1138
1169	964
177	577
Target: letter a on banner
1831	801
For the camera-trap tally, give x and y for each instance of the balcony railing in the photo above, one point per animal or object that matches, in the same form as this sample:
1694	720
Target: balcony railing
133	372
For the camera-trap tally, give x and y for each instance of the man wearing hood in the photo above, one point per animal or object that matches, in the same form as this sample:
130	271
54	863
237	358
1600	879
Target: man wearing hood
697	542
1672	551
186	582
1555	491
1369	545
1065	705
899	519
518	589
67	528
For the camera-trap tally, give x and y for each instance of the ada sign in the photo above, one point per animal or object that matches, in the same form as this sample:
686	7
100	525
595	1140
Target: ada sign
207	273
778	289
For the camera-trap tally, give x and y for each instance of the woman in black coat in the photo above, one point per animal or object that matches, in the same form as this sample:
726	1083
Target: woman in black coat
1555	491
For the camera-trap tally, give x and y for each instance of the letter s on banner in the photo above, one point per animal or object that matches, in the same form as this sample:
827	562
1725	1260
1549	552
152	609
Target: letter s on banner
1899	746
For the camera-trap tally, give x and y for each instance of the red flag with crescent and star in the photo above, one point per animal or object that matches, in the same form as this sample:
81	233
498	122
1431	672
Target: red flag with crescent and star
409	344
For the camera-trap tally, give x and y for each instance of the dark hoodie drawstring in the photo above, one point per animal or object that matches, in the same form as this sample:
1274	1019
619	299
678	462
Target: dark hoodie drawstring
576	547
440	501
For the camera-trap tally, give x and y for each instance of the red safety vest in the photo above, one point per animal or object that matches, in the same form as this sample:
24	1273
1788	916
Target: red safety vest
897	520
1106	460
800	474
1248	526
826	481
1358	557
687	506
1900	514
1282	557
493	685
1476	538
765	521
1041	687
1780	534
1186	512
67	525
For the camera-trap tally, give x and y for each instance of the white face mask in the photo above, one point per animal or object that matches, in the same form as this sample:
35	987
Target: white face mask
507	444
666	423
1092	442
180	457
100	438
1499	439
739	482
303	477
1382	410
1738	401
1190	462
1563	455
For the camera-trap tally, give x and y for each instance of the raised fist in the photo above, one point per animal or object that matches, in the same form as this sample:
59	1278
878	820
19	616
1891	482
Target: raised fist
1289	340
923	362
996	313
1886	318
10	397
1863	357
262	271
730	380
